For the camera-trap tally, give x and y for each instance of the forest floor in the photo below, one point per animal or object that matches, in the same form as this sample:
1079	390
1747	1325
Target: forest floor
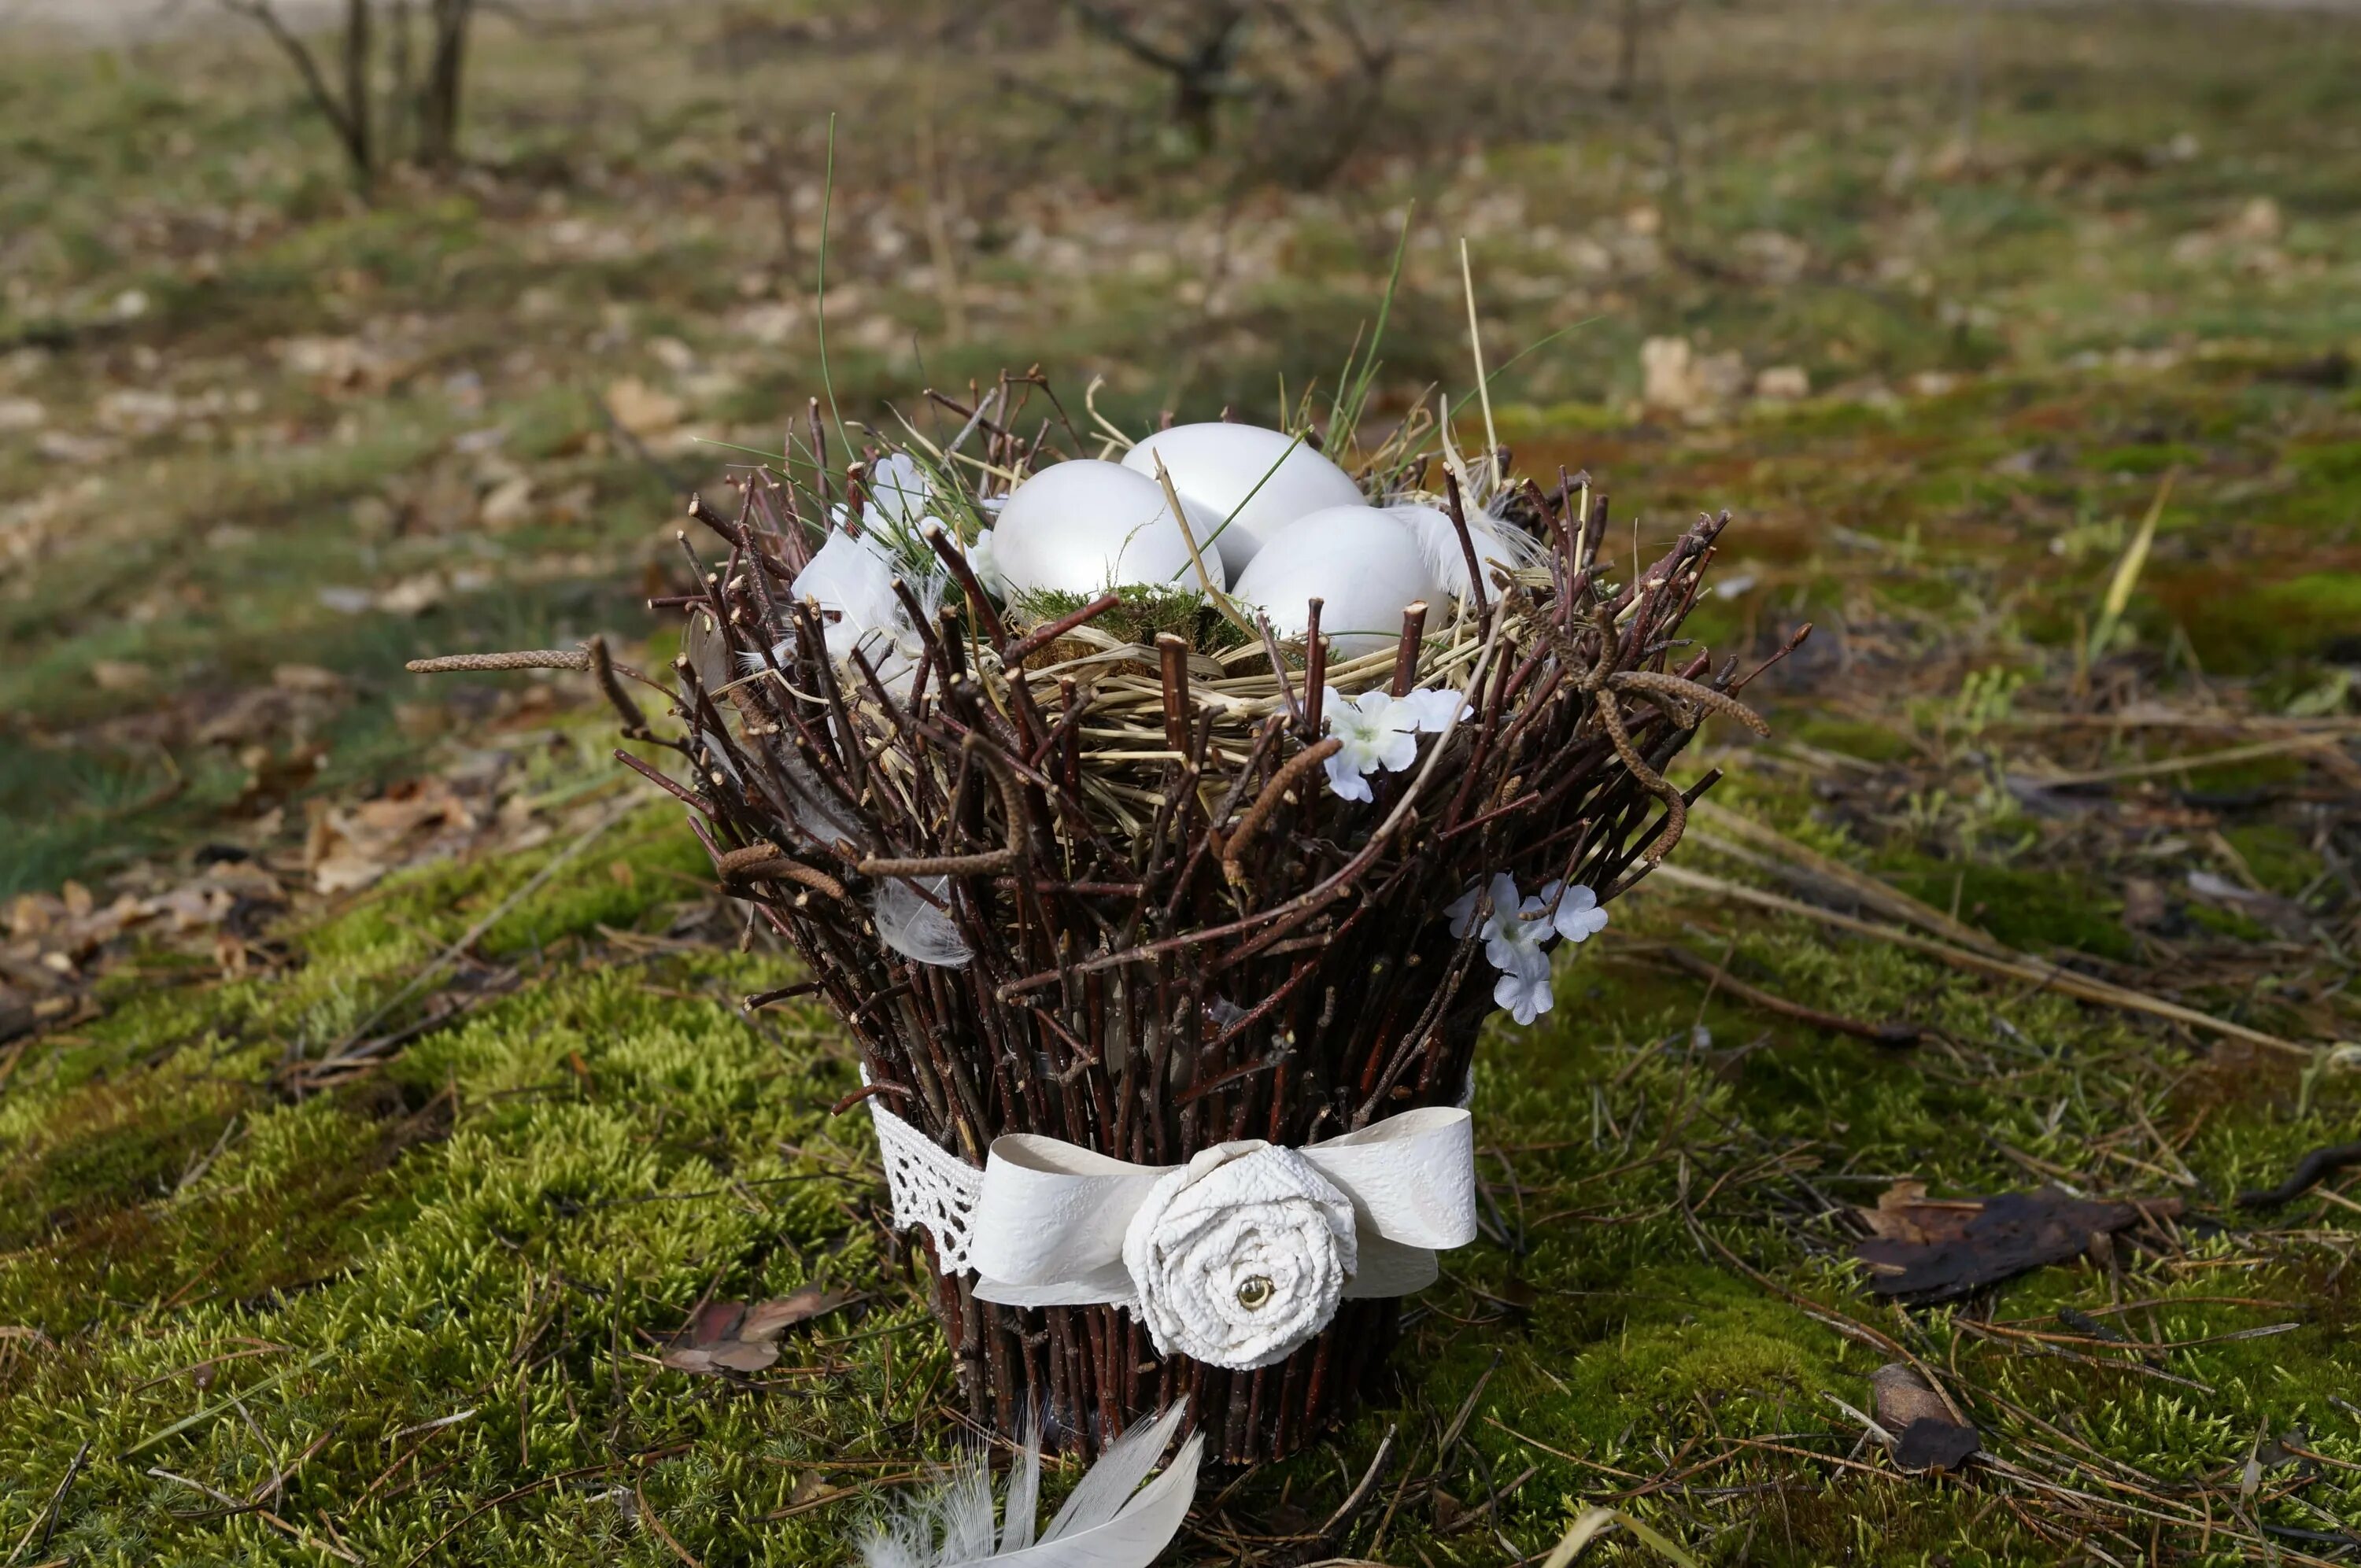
375	1101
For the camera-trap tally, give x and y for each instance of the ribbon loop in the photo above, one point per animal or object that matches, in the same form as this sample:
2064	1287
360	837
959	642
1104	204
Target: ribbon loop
1052	1223
1048	1211
1412	1178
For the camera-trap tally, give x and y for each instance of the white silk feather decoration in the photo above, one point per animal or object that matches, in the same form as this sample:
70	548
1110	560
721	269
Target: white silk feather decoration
1496	544
807	802
914	923
1110	1521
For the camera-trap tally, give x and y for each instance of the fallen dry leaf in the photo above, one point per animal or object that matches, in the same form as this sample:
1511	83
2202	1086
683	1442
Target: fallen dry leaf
350	847
1924	1250
2144	903
641	408
1926	1435
507	504
731	1336
1679	380
117	676
307	680
809	1484
412	596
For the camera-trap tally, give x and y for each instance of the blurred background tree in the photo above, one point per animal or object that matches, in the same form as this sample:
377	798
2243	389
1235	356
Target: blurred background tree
380	110
1301	80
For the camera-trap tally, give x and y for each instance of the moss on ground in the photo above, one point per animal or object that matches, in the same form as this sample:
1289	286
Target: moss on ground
494	1229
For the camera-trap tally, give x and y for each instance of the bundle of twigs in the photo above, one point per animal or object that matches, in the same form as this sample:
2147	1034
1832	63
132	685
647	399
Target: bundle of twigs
1169	932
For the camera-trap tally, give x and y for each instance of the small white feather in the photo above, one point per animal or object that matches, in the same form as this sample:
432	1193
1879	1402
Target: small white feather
1111	1521
918	925
1496	544
1137	1535
1017	1518
1100	1492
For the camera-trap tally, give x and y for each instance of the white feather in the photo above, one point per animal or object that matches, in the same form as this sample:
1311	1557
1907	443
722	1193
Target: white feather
707	650
1496	544
1100	1494
1017	1518
710	749
913	924
1111	1521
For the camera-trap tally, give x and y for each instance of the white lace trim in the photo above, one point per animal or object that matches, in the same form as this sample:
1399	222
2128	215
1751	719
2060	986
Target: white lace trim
930	1185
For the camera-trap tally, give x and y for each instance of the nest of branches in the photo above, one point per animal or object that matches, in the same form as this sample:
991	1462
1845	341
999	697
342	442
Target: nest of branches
1145	924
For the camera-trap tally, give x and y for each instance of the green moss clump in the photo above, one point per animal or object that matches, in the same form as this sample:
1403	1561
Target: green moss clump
1141	614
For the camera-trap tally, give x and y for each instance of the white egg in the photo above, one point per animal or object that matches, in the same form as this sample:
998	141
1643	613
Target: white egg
1362	562
1218	467
1080	526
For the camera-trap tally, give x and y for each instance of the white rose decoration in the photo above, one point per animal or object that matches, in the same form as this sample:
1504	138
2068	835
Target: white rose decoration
1240	1256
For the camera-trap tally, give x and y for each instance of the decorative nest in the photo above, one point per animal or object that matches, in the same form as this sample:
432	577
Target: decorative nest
1078	870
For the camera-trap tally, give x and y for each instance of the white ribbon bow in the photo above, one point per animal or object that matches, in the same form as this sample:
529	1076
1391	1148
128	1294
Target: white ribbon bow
1234	1258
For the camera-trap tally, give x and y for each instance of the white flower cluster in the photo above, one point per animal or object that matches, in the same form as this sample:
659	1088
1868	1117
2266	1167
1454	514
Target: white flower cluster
1515	930
1380	730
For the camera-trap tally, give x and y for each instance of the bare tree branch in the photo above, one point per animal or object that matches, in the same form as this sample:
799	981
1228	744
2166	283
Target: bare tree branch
445	69
351	132
1199	65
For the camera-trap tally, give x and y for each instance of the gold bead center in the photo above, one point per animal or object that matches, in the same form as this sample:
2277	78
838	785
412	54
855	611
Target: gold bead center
1253	1292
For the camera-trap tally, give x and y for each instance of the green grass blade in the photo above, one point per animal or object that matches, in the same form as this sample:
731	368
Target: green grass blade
219	1405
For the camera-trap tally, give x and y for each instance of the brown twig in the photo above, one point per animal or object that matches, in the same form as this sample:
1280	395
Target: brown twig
1903	1033
2309	1172
1290	775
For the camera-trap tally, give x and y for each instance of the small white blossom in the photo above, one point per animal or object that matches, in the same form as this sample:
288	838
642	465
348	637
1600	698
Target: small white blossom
1376	733
1579	917
1432	710
1526	996
1515	930
1380	731
1513	935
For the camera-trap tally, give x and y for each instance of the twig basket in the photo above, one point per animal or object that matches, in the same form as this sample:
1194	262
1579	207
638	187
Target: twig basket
1165	931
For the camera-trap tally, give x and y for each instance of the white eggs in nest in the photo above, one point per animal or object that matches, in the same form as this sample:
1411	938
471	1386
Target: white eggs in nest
1219	466
1362	562
1080	526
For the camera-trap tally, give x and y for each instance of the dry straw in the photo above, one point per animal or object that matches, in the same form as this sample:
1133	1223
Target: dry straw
1175	932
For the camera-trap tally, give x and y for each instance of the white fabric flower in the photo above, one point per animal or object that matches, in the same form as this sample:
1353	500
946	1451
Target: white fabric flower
1513	935
1526	995
1377	732
1432	710
1578	917
1515	930
1240	1256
